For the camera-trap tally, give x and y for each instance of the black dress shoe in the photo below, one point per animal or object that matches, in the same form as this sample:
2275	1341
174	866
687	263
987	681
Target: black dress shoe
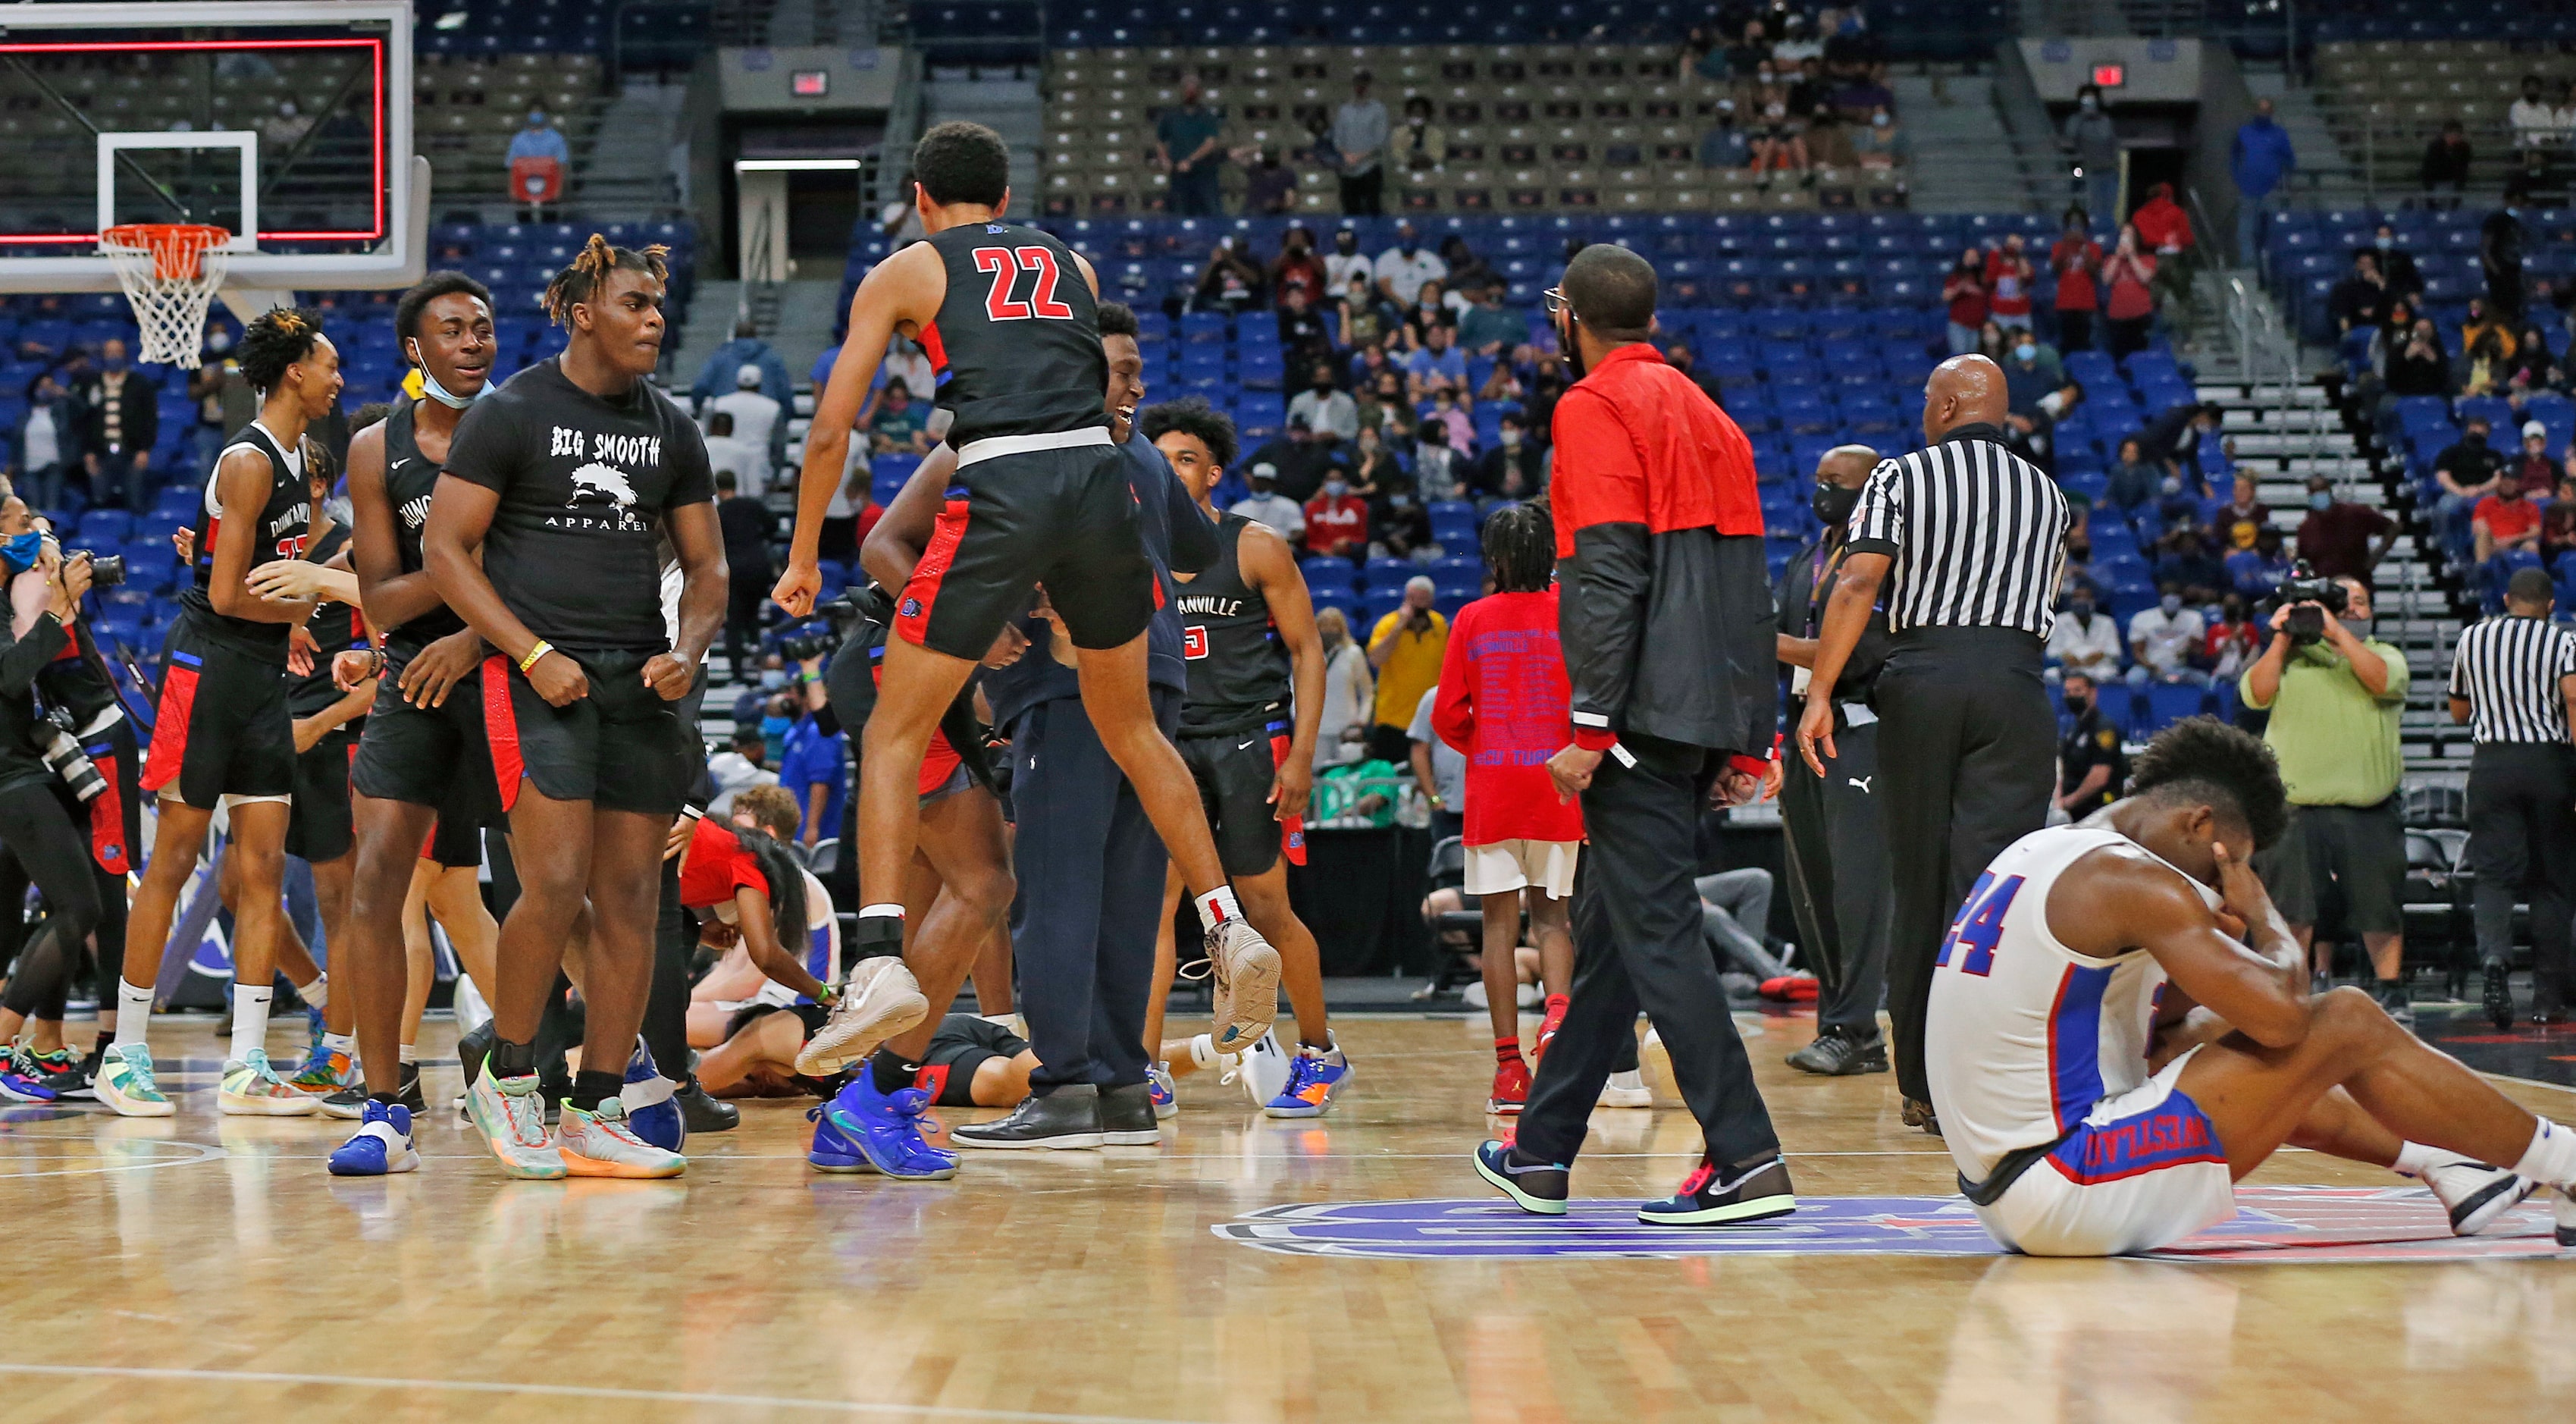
703	1113
2499	994
1066	1117
1836	1054
1127	1116
1914	1112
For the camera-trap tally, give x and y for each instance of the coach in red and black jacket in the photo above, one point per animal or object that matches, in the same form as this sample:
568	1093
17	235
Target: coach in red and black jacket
1665	617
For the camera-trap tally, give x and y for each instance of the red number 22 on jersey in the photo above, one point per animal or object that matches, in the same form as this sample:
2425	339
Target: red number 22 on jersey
1005	264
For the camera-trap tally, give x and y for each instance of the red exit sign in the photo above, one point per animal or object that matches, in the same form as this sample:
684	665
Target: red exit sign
2110	76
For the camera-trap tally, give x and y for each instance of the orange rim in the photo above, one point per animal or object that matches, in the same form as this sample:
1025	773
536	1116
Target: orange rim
176	248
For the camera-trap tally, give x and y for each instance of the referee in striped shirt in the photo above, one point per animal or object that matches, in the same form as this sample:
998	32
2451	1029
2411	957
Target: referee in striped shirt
2513	680
1968	539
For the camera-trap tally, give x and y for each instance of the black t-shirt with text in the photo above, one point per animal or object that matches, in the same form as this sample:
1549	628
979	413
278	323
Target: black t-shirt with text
585	482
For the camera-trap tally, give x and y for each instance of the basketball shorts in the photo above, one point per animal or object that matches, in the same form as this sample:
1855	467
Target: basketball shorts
455	842
319	827
621	747
1547	866
222	728
1062	517
1235	771
964	1044
2144	1170
429	756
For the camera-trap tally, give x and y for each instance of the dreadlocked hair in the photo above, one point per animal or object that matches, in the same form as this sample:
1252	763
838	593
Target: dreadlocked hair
2204	759
786	879
274	340
1520	547
590	267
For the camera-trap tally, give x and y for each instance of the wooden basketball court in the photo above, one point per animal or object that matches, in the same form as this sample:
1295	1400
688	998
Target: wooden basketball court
200	1268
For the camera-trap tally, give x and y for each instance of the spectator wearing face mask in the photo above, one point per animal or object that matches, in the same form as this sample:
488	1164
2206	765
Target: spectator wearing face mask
1337	521
2009	280
2340	539
1398	523
2466	472
1964	293
120	420
2233	640
1341	735
2093	142
1327	409
2256	563
1406	648
2091	769
1346	261
2505	522
1285	516
2086	641
1510	470
2076	259
2031	370
2129	304
1402	269
2168	639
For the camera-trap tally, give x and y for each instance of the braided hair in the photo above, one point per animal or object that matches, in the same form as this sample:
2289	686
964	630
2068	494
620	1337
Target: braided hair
1520	547
590	267
274	340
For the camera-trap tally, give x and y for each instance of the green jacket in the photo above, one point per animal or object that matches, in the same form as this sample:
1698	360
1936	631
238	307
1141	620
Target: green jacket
2336	741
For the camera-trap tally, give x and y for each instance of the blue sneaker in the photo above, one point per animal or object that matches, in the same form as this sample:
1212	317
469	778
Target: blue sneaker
1163	1091
887	1130
382	1145
831	1152
652	1109
18	1086
1315	1077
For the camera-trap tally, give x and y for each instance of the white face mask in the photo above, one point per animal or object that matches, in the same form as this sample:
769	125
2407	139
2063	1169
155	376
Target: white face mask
430	387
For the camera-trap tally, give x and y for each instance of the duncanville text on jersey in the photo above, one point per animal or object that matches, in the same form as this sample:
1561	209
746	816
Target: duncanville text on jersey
1210	605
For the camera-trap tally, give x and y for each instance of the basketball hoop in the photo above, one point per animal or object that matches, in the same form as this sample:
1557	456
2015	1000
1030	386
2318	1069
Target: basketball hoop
170	272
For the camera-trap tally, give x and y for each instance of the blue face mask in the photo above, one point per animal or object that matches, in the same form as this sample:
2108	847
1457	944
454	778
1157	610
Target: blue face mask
22	550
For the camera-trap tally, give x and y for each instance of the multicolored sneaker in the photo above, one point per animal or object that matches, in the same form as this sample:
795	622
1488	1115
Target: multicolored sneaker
348	1104
887	1130
1705	1199
326	1072
251	1088
1511	1087
511	1115
21	1082
1315	1077
1166	1093
382	1145
881	999
830	1151
602	1143
59	1070
126	1083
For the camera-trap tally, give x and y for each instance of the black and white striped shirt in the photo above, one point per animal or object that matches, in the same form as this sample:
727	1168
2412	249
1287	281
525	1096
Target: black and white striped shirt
1977	535
2508	669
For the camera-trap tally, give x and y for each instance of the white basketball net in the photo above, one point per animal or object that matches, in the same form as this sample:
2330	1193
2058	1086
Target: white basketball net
170	273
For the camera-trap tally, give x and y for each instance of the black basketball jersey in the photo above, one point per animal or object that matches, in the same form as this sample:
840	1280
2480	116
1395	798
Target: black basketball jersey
1015	349
285	524
409	479
336	628
1239	671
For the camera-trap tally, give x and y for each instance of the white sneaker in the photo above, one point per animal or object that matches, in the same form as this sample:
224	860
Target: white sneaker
511	1115
251	1088
126	1083
600	1144
2474	1193
1247	983
1263	1069
880	1000
1627	1090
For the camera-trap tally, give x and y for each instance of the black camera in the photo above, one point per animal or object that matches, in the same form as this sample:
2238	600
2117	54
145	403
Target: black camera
807	643
105	570
2307	624
62	753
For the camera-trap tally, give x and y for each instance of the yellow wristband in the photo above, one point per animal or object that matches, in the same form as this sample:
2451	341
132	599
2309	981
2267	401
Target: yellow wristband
540	650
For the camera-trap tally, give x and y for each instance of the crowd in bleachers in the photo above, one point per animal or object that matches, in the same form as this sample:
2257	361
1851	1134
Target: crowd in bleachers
1756	98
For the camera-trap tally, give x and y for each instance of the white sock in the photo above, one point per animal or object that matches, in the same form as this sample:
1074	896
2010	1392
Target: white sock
317	993
133	1012
342	1043
1217	906
2414	1159
250	1019
410	1053
2551	1158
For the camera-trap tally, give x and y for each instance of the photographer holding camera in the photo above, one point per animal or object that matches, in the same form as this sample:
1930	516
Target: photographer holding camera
33	823
2335	694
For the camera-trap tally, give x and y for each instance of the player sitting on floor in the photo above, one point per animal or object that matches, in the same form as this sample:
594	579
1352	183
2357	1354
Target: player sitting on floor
2093	1110
971	1062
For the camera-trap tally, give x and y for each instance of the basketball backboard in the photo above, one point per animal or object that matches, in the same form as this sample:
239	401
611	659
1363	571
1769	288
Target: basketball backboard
288	124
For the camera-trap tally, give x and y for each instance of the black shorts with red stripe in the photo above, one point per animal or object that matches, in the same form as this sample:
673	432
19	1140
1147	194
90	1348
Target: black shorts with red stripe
429	756
222	728
1235	771
318	828
620	747
1065	518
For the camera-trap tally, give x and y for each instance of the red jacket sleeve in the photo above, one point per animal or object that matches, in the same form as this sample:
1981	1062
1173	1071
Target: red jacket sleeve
1598	478
1453	709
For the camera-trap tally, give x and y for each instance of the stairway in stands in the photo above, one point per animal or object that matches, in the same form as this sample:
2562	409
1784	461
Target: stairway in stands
2286	433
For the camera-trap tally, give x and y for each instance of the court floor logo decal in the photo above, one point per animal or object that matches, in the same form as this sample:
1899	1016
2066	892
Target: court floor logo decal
2301	1225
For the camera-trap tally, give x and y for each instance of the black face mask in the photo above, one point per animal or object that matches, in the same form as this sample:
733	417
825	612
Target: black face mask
1833	504
2079	705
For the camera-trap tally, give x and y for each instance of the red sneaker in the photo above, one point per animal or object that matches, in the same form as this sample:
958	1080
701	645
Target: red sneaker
1511	1087
1547	1028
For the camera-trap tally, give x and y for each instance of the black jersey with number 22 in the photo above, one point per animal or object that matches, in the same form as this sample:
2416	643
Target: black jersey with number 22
1016	346
285	525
